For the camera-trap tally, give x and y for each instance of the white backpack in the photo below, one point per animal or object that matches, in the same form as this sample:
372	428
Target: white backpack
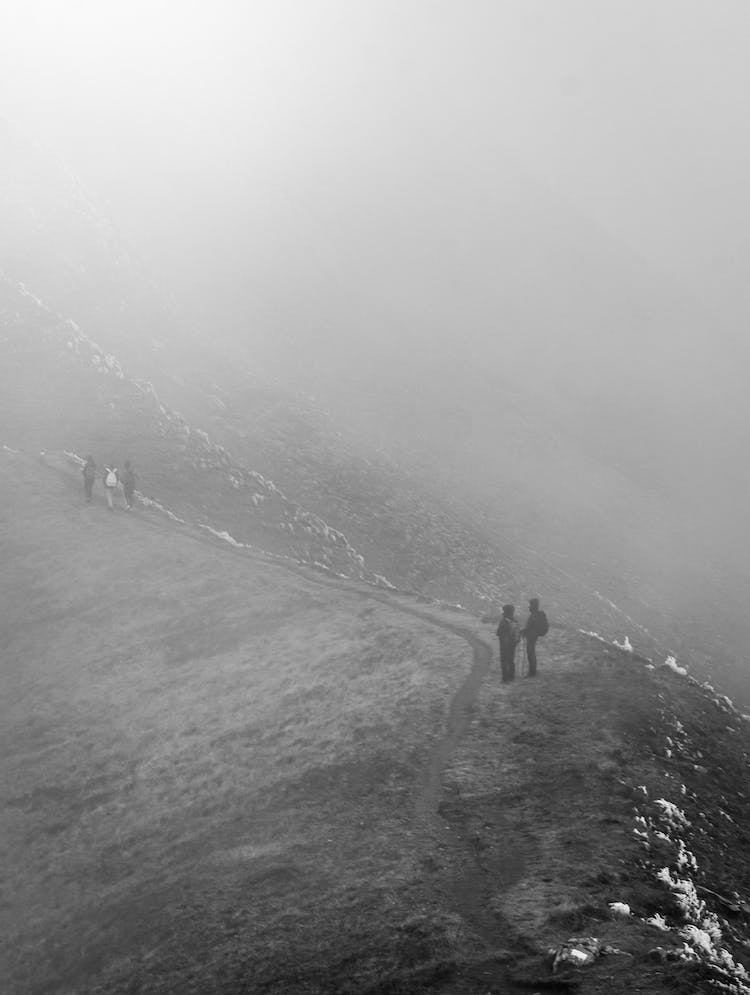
111	478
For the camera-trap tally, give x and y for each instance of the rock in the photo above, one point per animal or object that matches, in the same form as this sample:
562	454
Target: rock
576	952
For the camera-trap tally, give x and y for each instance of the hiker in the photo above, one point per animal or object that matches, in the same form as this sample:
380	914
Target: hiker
509	636
110	478
128	479
89	476
536	626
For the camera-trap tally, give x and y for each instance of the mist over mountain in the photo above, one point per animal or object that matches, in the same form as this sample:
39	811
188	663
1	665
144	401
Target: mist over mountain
574	440
402	311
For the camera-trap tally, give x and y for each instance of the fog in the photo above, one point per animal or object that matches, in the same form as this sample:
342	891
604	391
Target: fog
433	213
263	148
478	182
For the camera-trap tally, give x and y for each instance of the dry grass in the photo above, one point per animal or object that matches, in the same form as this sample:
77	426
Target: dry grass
220	776
186	732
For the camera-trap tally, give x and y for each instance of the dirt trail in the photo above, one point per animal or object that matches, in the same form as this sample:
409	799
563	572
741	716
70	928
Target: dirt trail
428	800
461	892
443	841
516	823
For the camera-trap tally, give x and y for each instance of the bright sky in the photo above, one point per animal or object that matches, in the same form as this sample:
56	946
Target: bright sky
633	111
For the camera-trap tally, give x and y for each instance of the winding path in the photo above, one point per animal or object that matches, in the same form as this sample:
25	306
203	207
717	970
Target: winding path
428	798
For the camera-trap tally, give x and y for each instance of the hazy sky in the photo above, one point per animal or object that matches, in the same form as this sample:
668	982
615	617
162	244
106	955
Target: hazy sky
252	141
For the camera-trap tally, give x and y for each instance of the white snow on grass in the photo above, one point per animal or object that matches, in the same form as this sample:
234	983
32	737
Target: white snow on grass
673	815
702	931
698	939
725	702
157	506
223	535
700	927
685	858
672	663
625	645
619	908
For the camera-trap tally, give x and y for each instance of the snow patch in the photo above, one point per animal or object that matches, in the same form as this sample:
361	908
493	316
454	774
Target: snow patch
223	535
673	665
619	908
673	815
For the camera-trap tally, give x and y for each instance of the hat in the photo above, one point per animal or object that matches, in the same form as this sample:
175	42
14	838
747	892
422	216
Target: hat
508	610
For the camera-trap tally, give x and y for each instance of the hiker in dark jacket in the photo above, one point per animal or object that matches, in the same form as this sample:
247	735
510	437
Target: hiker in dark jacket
89	476
536	626
128	479
509	636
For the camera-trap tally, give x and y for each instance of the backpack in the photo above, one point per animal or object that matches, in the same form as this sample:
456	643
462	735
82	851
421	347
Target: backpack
541	623
111	479
89	472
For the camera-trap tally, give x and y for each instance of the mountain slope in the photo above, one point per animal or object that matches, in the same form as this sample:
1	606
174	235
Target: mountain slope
225	775
62	390
181	724
598	487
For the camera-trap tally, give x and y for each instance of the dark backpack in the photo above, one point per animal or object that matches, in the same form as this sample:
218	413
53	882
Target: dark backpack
89	472
541	623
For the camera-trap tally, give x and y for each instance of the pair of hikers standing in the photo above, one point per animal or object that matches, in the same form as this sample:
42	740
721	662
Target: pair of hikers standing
510	634
111	478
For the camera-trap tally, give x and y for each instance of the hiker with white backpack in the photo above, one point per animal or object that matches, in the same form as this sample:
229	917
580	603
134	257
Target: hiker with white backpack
111	479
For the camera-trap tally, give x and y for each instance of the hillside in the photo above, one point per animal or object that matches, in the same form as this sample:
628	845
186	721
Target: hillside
472	488
61	389
226	773
340	505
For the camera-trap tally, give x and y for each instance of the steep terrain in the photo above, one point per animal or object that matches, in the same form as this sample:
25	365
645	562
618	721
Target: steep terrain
227	773
62	390
474	489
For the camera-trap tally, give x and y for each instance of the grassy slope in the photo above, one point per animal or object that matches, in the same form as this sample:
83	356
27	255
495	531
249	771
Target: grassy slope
547	786
186	731
452	548
224	776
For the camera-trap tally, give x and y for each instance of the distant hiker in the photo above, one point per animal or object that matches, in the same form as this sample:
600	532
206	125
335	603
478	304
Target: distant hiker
110	479
509	635
89	476
128	479
536	626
